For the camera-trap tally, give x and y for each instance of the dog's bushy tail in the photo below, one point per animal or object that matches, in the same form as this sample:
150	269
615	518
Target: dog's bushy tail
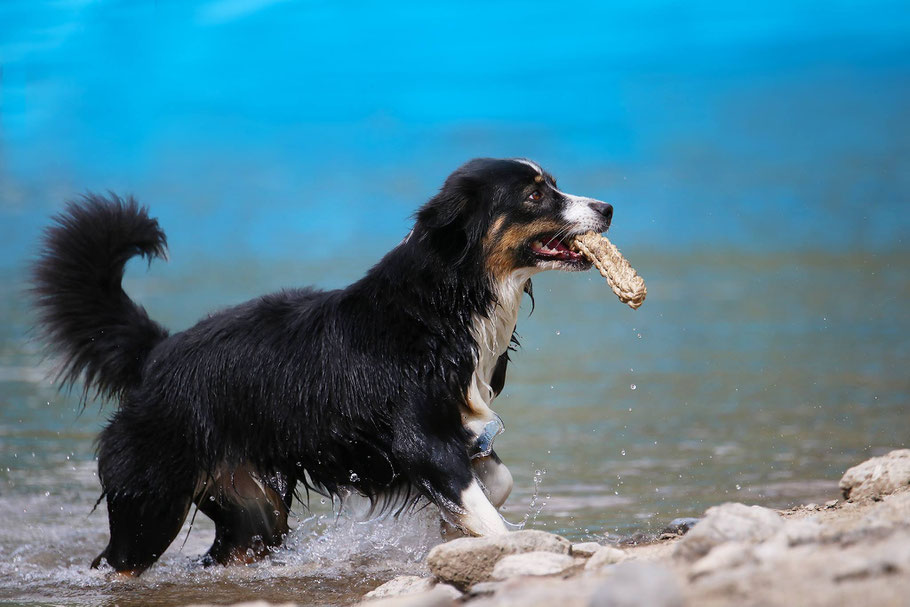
99	334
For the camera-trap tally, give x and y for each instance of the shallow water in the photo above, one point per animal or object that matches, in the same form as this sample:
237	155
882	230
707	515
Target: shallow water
743	377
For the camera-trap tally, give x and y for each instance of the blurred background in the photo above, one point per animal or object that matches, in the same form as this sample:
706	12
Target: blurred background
757	156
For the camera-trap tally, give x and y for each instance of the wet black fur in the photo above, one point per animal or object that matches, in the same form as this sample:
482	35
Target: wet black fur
360	388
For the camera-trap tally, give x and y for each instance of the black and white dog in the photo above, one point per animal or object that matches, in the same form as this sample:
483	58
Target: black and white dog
382	388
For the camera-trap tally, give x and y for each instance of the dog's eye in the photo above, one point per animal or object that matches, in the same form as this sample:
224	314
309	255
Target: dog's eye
535	195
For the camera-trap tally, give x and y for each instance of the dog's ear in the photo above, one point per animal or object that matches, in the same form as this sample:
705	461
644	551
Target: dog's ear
453	220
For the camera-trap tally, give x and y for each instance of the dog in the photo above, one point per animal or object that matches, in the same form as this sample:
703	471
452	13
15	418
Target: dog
382	388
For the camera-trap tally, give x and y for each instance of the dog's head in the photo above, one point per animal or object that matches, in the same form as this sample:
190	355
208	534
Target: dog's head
509	215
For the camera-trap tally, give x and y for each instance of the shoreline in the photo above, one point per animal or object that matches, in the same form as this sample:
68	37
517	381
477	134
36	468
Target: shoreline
853	548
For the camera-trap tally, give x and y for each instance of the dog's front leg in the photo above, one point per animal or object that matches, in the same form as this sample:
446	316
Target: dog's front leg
444	473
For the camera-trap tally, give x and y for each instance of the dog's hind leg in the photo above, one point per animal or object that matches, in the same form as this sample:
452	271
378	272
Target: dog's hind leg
250	514
142	527
148	487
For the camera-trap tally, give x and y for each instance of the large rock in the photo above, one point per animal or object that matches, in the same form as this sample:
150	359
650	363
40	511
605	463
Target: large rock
469	560
403	584
532	563
606	556
637	583
730	522
440	596
878	476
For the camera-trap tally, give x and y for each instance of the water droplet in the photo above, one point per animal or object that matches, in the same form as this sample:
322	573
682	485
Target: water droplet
558	333
638	336
633	387
211	498
354	477
322	500
738	487
623	452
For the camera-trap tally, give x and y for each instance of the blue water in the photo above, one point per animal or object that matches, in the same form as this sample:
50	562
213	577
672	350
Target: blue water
758	158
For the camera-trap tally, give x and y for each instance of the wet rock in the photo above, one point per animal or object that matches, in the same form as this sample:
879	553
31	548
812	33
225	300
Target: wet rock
470	560
585	549
728	522
439	596
680	526
606	556
403	584
638	583
532	563
877	476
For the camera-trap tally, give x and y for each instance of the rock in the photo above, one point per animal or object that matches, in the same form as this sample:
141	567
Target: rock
532	563
440	596
403	584
811	506
585	549
469	560
680	526
729	522
607	555
831	504
638	583
484	588
723	556
539	592
878	476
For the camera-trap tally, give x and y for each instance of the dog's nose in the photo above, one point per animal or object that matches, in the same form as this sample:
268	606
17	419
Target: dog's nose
604	209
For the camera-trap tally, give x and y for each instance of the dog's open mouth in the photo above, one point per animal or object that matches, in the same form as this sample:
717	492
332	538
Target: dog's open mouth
556	249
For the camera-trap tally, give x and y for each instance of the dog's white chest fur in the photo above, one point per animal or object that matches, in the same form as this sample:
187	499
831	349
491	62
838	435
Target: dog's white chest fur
493	336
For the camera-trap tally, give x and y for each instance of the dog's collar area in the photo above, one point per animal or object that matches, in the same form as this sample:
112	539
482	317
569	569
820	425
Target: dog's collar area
483	444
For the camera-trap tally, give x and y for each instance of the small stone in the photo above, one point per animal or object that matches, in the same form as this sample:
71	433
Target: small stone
403	584
811	506
532	563
878	476
831	504
606	556
637	583
728	522
680	526
467	561
585	549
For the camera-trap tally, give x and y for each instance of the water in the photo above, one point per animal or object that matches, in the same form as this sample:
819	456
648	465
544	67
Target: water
757	158
759	379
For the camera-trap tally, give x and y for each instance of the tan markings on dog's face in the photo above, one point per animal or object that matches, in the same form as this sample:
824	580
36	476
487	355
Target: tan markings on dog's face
539	179
503	244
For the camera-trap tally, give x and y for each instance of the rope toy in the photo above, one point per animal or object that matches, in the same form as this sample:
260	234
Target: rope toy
621	276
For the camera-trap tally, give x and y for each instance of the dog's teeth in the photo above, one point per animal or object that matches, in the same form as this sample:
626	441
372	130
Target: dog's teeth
537	245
